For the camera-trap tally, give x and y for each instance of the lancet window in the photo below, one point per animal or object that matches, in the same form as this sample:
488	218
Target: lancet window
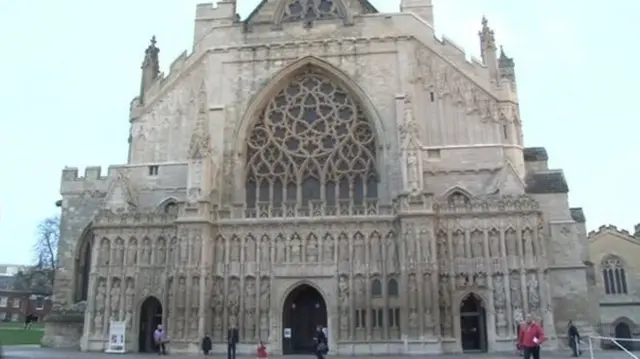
311	143
614	276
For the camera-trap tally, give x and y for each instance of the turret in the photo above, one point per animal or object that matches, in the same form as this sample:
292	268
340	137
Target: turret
506	66
150	68
422	8
488	49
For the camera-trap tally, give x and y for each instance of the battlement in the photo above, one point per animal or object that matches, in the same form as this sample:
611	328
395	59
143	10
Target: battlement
94	181
218	11
610	228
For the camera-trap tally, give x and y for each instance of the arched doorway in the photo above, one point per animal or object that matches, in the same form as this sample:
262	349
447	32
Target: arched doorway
623	331
83	265
150	318
303	310
473	324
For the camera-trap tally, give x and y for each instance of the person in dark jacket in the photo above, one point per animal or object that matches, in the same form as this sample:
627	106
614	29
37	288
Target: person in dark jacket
232	340
206	344
574	339
322	346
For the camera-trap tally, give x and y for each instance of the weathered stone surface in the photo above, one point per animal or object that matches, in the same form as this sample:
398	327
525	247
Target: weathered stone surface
614	254
352	154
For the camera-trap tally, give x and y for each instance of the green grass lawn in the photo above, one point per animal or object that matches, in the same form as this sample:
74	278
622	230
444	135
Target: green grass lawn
12	333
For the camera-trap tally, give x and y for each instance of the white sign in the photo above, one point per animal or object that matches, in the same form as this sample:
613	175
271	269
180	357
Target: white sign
287	332
117	331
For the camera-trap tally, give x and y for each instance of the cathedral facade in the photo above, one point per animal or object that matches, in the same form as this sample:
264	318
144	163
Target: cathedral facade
322	163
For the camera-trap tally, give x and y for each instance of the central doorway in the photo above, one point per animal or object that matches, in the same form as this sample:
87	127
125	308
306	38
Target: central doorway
150	318
304	309
473	324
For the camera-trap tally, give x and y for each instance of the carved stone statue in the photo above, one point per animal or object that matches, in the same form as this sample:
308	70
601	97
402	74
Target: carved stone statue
195	292
343	287
115	297
101	295
312	250
132	252
250	294
264	294
181	295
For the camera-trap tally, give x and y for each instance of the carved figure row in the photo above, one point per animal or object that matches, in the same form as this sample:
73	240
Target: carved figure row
159	252
114	300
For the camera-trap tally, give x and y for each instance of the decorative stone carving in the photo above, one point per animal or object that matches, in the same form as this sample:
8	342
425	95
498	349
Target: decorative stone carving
101	294
375	260
233	297
119	253
235	249
499	295
295	249
161	257
510	242
174	252
104	252
196	250
445	307
358	249
391	255
328	249
477	244
516	291
265	250
184	249
413	292
195	292
249	293
527	244
343	250
115	296
193	324
360	291
312	251
281	252
132	252
458	243
98	322
250	249
494	243
343	297
182	292
533	292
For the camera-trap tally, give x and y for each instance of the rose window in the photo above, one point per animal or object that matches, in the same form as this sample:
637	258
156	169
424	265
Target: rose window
312	142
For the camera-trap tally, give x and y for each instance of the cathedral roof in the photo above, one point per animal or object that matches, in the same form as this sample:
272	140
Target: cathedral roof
369	8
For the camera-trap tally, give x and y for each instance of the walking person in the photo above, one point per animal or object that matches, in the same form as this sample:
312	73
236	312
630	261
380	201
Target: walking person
322	346
574	339
160	339
232	340
531	337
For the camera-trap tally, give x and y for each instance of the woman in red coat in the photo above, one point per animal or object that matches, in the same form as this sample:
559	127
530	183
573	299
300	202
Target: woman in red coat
531	337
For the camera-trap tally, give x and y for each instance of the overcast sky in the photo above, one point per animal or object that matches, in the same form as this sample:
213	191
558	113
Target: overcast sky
69	69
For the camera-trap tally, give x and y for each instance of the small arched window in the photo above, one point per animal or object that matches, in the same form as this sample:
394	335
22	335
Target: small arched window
457	198
392	288
376	288
171	208
614	276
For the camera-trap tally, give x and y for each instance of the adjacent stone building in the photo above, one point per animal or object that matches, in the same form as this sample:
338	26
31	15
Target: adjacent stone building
322	163
615	254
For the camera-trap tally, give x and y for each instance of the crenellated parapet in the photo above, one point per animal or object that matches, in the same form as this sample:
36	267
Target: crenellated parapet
609	228
92	181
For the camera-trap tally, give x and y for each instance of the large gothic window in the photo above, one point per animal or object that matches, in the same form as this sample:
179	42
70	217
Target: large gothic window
311	143
614	276
298	10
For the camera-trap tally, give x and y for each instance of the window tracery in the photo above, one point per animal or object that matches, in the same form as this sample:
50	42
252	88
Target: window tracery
298	10
312	142
614	276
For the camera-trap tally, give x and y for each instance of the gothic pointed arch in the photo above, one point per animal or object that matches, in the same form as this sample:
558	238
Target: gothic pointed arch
312	140
311	10
84	248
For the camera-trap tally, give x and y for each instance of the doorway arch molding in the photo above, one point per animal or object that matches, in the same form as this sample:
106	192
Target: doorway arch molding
485	297
282	287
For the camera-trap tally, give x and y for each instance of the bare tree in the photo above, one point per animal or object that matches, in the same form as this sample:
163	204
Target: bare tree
40	277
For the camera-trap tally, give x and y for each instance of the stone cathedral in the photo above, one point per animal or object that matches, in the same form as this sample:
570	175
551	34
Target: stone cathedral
321	163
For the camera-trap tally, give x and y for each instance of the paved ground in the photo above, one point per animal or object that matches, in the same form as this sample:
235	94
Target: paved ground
31	352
